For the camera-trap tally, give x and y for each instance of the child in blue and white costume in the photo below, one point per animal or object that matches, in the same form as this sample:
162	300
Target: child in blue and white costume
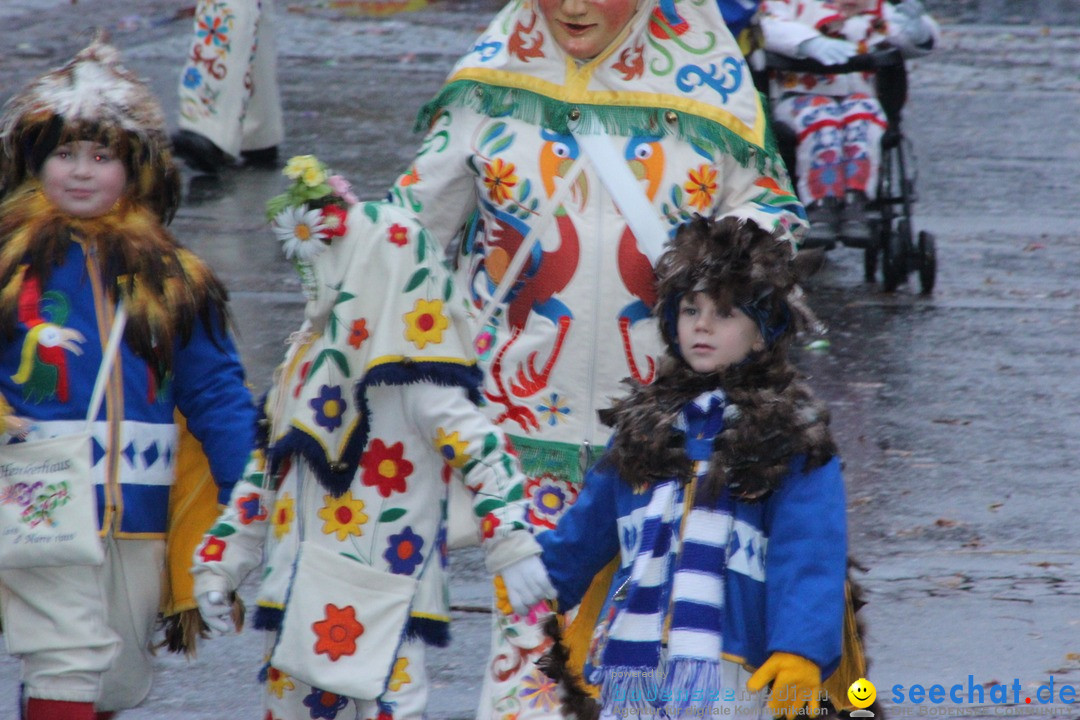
721	496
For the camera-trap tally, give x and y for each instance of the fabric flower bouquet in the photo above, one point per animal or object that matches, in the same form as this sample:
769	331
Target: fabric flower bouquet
310	213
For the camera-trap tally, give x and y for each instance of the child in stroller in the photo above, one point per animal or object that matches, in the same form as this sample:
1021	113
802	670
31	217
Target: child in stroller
836	117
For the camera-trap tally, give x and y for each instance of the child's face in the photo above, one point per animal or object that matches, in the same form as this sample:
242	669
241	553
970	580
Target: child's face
83	178
584	28
711	340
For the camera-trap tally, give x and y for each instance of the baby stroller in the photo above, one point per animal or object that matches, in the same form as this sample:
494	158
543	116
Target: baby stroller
893	239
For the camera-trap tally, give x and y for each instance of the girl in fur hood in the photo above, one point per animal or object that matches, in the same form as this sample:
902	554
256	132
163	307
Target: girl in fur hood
719	503
87	185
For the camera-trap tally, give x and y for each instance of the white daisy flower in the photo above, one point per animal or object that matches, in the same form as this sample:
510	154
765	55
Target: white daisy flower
301	232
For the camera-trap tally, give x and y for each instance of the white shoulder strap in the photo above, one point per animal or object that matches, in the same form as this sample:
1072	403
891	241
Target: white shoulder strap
111	351
649	230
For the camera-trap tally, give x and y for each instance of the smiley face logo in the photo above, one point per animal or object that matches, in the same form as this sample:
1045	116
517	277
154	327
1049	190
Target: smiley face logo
862	693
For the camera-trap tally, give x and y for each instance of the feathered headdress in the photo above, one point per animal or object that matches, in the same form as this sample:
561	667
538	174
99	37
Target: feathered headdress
93	96
771	415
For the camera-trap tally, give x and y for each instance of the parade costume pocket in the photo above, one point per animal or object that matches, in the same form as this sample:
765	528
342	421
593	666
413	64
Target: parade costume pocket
343	624
48	505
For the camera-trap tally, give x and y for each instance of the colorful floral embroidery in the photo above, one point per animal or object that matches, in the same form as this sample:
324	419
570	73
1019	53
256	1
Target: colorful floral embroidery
425	323
337	632
553	410
488	525
499	177
333	220
358	334
540	691
277	682
343	516
701	187
213	550
452	448
284	515
329	407
214	30
549	496
399	677
250	508
398	235
323	705
385	467
403	552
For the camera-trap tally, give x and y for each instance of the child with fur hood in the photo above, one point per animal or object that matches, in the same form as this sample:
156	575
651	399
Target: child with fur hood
87	186
719	501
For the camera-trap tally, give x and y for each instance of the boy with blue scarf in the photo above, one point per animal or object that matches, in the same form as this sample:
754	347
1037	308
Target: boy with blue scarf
719	502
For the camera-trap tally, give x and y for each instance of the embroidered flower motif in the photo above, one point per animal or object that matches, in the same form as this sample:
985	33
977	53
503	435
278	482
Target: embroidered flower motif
192	78
499	177
425	324
333	219
452	448
549	496
701	187
278	682
398	234
359	333
485	341
213	550
399	677
385	467
488	525
301	231
323	705
411	177
284	515
329	407
250	508
631	62
337	632
213	31
540	691
403	552
553	410
343	516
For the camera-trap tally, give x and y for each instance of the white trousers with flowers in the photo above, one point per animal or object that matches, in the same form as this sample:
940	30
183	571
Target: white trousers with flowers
228	88
406	699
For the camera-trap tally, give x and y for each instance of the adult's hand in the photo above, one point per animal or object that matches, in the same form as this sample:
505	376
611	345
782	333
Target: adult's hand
527	583
216	610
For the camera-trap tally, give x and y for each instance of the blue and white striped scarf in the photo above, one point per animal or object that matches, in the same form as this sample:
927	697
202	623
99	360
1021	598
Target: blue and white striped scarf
675	593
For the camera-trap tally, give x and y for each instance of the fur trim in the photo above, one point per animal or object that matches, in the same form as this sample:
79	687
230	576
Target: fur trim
772	416
576	701
165	286
92	97
183	629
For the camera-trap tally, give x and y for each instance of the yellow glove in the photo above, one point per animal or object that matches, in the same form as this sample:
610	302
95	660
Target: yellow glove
795	682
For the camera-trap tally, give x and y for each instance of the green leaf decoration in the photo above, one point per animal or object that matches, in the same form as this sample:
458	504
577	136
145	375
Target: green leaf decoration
222	530
490	443
329	354
344	296
491	134
352	557
524	188
372	211
421	247
516	493
501	145
418	277
487	506
448	290
391	515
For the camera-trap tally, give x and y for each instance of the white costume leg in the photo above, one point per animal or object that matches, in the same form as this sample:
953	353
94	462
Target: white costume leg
262	125
215	84
863	122
819	148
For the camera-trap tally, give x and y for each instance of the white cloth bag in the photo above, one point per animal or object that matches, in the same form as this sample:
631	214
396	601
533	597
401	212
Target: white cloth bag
48	504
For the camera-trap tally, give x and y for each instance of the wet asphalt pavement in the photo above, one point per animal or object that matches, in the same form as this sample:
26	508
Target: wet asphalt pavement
957	413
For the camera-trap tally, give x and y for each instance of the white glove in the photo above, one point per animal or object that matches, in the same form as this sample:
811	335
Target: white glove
827	50
527	583
910	22
216	610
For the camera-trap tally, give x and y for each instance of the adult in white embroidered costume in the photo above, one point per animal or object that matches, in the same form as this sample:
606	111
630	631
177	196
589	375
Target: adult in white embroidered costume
668	86
230	104
372	413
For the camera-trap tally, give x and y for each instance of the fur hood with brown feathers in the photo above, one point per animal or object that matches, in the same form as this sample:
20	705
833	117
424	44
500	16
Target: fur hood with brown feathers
771	416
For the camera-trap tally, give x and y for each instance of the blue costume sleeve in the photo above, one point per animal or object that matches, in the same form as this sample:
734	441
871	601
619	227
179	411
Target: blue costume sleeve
585	539
806	566
210	392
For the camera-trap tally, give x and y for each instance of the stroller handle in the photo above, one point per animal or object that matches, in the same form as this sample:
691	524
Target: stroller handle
880	56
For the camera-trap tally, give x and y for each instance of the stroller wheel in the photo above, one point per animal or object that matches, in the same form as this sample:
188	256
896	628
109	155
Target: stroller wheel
870	263
927	262
893	259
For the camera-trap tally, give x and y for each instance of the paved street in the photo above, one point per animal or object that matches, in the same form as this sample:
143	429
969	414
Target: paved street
957	414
